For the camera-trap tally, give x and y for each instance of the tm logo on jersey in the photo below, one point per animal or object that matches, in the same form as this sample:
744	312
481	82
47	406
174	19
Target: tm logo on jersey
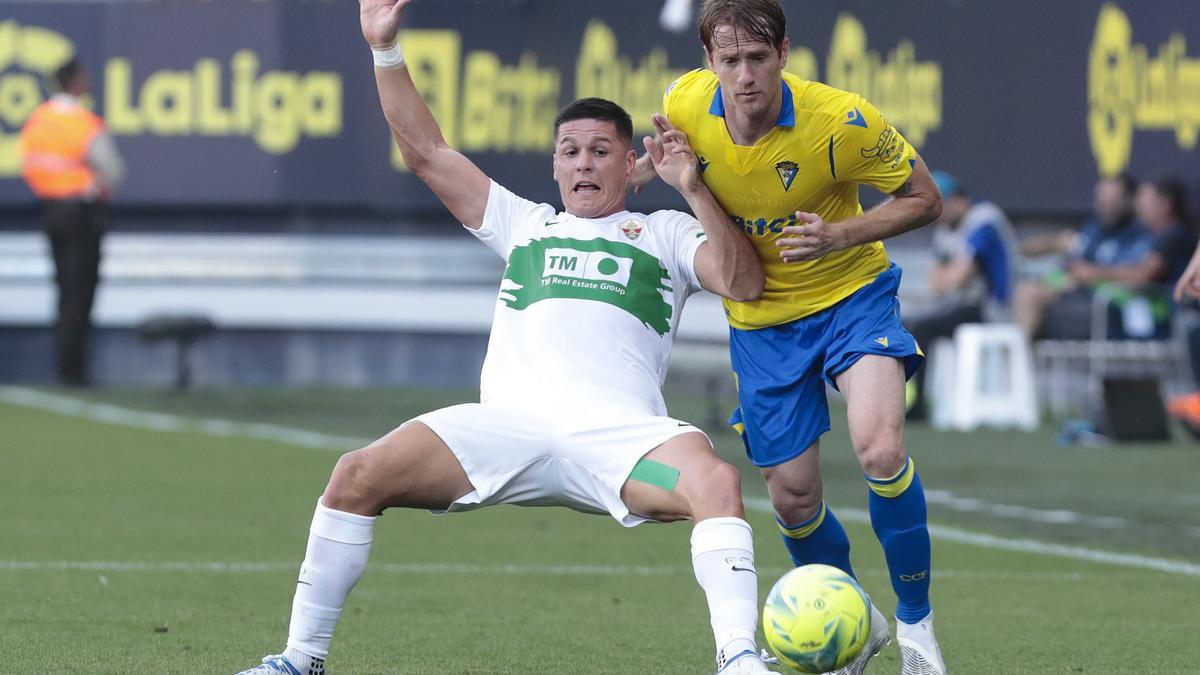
605	271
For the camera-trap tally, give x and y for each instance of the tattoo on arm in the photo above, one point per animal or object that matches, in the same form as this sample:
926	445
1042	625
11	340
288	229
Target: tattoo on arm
904	190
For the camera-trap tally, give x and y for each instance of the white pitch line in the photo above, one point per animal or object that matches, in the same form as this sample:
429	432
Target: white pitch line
113	566
166	422
949	500
942	532
392	568
111	414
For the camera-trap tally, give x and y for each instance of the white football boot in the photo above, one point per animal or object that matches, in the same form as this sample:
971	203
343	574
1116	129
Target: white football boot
747	663
919	651
878	638
276	664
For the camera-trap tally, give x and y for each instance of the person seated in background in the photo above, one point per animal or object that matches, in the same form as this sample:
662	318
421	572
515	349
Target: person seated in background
974	273
1161	207
1112	238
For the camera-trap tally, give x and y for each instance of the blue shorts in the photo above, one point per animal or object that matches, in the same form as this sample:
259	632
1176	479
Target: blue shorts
782	370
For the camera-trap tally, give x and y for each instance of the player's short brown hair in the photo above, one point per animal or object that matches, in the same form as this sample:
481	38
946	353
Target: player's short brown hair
759	19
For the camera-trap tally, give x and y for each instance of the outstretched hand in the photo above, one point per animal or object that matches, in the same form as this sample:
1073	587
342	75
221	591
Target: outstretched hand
380	20
672	156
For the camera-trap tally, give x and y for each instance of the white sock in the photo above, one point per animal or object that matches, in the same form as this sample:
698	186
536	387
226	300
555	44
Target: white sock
338	546
723	559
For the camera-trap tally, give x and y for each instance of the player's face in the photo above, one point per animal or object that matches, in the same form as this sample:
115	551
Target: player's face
592	166
748	69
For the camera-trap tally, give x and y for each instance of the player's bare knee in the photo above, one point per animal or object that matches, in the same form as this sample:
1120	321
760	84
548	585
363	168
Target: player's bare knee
882	461
794	503
349	486
794	508
714	490
725	484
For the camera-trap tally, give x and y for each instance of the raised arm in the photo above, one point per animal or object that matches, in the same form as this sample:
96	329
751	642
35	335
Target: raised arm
456	181
726	263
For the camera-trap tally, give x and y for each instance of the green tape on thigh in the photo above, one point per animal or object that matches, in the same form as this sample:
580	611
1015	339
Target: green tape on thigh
654	473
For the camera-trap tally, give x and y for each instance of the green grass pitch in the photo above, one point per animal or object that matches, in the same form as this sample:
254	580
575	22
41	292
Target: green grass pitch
125	550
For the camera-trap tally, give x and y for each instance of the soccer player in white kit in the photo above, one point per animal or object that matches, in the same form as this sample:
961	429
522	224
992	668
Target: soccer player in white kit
571	411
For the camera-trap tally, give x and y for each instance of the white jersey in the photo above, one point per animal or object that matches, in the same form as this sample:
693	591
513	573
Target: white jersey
587	309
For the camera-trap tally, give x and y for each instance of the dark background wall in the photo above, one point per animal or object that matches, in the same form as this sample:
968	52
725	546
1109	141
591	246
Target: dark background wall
270	108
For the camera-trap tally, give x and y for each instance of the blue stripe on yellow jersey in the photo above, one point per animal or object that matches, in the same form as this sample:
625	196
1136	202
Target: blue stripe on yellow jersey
825	143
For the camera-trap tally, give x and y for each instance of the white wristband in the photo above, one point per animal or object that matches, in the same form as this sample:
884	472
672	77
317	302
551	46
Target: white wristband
389	57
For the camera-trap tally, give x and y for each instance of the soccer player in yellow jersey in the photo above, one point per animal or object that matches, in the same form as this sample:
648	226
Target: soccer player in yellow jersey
785	158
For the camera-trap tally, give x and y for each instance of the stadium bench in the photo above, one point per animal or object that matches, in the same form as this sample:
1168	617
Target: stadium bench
184	330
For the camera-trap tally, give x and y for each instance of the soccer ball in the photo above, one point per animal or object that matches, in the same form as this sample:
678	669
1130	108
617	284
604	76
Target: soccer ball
816	618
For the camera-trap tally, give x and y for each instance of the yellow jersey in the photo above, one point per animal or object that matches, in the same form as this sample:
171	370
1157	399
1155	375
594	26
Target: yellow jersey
824	144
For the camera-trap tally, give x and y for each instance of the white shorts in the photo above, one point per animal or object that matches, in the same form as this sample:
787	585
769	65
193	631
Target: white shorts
519	457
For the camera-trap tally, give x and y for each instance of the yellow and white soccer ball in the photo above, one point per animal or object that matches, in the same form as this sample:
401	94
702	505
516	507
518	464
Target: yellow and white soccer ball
816	618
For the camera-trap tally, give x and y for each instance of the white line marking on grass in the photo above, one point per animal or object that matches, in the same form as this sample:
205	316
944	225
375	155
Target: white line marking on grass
1021	545
1053	517
463	569
165	422
393	568
1009	575
111	414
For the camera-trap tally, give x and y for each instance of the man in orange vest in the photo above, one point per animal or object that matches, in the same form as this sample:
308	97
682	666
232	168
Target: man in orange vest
72	165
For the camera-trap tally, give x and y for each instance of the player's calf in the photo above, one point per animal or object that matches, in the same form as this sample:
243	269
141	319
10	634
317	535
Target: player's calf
723	561
810	531
410	466
690	481
899	519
